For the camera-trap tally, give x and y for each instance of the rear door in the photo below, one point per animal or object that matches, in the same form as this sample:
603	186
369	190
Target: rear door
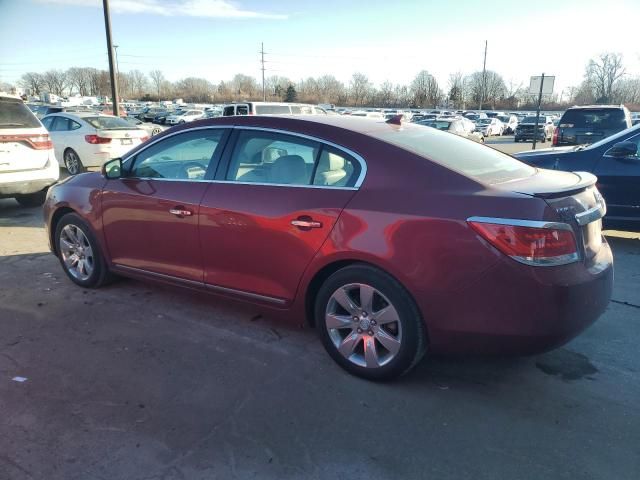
619	183
151	215
275	199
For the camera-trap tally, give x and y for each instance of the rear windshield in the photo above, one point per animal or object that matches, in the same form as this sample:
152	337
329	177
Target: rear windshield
471	159
272	109
107	123
15	114
609	118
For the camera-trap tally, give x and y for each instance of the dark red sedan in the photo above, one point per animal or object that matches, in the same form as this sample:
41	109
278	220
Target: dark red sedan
391	239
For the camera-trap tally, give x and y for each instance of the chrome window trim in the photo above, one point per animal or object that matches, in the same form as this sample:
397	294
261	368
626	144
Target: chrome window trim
358	157
521	223
209	286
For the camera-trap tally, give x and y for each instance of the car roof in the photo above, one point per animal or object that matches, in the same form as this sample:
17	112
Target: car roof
595	106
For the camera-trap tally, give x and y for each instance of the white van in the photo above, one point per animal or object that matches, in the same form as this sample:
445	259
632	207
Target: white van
270	108
27	162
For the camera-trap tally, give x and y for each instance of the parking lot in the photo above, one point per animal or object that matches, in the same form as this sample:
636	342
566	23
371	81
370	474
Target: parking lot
140	381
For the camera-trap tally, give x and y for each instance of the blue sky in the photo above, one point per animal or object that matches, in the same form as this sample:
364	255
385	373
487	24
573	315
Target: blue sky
385	40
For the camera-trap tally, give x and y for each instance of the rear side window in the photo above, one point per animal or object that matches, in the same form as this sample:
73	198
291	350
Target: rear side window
471	159
242	110
595	118
15	114
272	109
228	111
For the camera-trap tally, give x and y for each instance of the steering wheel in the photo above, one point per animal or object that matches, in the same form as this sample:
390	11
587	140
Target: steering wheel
189	165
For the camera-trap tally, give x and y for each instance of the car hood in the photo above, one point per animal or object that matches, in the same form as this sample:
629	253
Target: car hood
544	151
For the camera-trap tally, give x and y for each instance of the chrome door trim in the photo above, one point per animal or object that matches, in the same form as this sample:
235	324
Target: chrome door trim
357	156
208	286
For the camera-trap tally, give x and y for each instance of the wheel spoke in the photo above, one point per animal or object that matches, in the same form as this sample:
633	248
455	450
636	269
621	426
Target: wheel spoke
370	353
81	268
348	345
366	298
390	343
66	244
338	321
345	301
71	260
387	315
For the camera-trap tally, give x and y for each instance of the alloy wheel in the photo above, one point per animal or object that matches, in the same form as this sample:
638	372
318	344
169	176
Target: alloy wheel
77	254
72	162
363	325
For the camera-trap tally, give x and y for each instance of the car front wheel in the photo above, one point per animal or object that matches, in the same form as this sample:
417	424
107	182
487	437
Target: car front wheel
79	252
369	324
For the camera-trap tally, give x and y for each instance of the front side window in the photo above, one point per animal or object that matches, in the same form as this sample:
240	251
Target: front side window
266	157
182	157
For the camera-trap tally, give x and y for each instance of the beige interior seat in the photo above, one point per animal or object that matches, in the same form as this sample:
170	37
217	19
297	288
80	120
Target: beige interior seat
290	170
331	170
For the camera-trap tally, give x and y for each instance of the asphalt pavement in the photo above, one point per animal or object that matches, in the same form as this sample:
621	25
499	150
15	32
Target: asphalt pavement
138	381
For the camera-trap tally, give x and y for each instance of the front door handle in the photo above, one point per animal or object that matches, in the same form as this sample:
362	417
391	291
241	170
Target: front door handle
306	223
180	212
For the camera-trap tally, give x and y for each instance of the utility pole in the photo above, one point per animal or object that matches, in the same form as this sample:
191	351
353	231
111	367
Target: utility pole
115	49
484	75
535	128
112	69
264	92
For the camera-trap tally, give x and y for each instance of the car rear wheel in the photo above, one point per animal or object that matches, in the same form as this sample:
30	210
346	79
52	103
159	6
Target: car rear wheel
32	199
79	252
369	324
72	162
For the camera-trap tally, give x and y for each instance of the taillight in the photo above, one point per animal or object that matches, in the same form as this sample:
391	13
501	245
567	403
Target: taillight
37	142
555	137
96	140
529	242
144	139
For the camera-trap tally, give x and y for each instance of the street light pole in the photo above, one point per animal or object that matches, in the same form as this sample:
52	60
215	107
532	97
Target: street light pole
112	68
115	49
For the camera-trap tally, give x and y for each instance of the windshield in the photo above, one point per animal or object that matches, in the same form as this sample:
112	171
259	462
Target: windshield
612	139
484	121
595	118
471	159
435	124
107	123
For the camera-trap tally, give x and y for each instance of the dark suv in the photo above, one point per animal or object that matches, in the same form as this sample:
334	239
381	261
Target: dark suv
591	123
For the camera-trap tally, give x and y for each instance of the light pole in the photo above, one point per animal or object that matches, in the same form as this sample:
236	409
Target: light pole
115	49
114	85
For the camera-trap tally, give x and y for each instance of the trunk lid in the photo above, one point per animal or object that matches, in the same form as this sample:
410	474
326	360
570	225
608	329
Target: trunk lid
17	152
573	197
125	137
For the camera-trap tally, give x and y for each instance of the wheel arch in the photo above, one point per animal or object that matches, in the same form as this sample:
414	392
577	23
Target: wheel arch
53	226
328	269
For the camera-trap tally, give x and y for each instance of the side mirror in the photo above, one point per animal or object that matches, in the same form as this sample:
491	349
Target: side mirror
623	150
112	169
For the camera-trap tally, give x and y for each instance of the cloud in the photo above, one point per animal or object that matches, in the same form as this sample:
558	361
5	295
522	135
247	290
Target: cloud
172	8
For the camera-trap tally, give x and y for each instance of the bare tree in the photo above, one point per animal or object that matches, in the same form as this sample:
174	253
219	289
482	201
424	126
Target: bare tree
359	88
55	81
138	82
244	87
157	78
425	90
602	75
33	82
456	89
385	95
486	89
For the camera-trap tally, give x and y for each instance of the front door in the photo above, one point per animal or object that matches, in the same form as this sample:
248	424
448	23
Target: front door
150	216
274	203
619	183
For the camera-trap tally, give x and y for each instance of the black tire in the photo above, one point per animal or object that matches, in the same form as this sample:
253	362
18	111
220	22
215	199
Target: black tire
32	199
413	338
100	274
181	122
544	139
72	162
516	140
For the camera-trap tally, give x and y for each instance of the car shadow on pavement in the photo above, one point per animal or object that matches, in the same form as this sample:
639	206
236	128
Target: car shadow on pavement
14	215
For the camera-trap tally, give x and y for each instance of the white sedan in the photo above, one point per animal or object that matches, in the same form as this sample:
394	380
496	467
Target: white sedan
84	140
489	126
184	117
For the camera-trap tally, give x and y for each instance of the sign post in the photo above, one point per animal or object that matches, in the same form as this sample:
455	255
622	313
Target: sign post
545	86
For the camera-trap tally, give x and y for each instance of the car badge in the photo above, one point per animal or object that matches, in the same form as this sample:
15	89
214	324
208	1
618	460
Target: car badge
127	135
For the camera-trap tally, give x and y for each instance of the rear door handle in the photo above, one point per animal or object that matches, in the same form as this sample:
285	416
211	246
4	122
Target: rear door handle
305	223
180	212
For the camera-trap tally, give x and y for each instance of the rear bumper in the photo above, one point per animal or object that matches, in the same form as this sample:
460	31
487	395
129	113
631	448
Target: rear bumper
530	135
30	181
514	309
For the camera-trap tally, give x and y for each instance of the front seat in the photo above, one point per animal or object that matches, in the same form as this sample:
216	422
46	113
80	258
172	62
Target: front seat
290	170
331	170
